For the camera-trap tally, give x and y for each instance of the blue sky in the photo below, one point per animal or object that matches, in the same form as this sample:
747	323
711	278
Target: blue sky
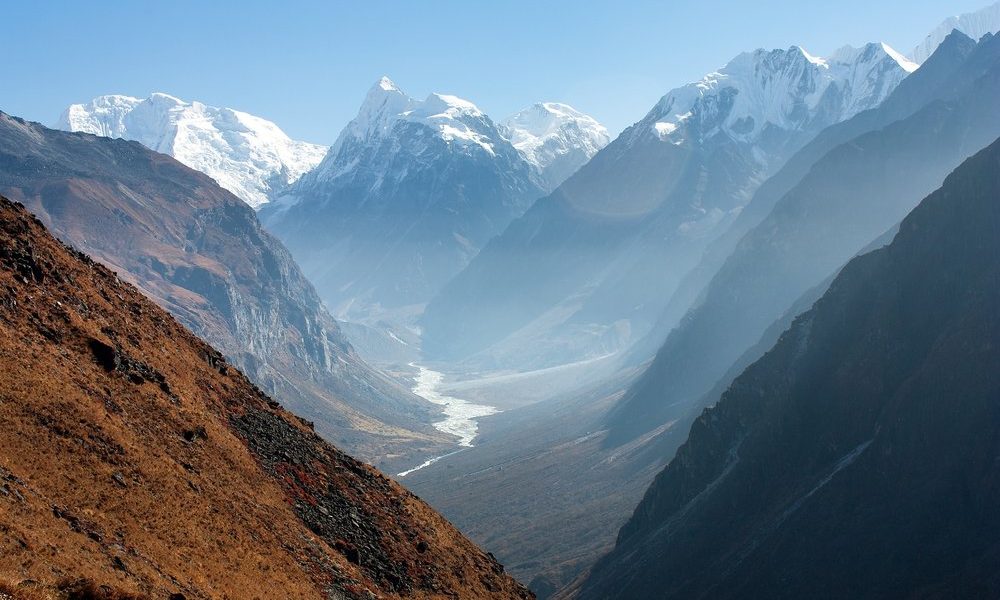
307	65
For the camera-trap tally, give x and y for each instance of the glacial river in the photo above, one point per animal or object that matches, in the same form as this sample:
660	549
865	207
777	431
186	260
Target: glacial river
460	415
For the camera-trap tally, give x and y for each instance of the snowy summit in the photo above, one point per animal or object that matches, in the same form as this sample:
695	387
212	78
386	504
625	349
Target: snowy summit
247	155
409	192
556	139
788	89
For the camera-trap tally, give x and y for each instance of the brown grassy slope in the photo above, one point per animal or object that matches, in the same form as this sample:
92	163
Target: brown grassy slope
200	252
134	456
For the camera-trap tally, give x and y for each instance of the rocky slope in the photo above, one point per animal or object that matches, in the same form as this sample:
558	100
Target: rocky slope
791	486
249	156
588	269
406	196
136	457
852	195
200	252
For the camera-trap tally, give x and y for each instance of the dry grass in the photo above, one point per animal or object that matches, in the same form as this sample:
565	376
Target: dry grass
14	588
103	481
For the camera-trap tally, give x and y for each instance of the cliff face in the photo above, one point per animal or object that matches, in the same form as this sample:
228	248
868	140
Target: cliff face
199	252
136	457
857	458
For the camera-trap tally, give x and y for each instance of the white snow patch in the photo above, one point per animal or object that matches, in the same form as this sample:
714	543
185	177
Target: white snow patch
664	129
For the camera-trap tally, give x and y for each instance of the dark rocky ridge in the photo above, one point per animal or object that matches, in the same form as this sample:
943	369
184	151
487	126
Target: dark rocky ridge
857	458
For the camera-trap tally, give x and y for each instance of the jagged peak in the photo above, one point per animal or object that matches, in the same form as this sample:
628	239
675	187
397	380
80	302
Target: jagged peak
769	88
387	85
382	92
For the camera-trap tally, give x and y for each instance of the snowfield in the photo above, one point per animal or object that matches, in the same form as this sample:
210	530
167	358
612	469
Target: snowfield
247	155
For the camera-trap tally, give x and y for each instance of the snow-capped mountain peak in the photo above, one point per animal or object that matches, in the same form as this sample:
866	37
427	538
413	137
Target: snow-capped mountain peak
383	103
410	191
555	138
388	112
788	89
974	24
249	156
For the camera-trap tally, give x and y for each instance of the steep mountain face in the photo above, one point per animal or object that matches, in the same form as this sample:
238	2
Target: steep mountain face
556	139
135	459
851	196
247	155
937	78
975	25
857	458
589	268
199	252
547	537
406	196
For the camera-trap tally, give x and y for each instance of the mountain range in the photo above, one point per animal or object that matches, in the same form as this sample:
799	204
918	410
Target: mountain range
747	348
856	458
412	189
589	268
855	192
843	193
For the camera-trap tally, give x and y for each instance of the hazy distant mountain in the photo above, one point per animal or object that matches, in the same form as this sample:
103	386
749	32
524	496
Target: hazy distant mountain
974	24
849	197
556	139
589	268
247	155
857	458
936	79
406	196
